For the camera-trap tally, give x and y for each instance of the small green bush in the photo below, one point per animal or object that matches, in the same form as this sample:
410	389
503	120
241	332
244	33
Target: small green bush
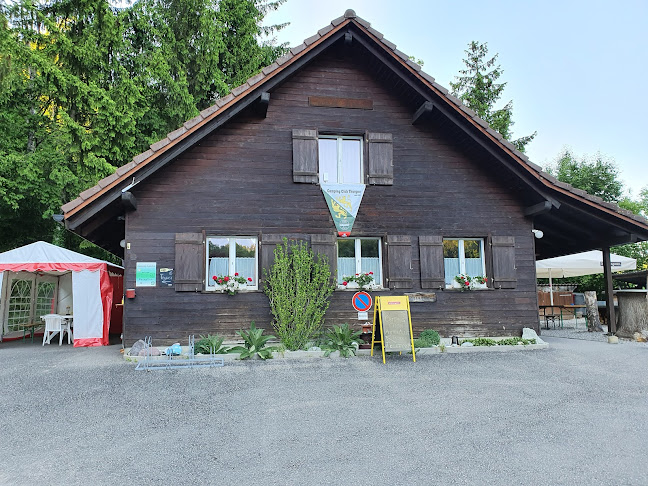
480	341
513	341
430	336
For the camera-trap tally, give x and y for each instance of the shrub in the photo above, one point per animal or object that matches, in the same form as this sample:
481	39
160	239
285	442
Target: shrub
512	341
341	338
210	345
254	344
298	286
480	341
431	336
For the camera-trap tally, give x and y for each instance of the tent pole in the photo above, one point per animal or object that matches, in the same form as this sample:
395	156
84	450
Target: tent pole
550	289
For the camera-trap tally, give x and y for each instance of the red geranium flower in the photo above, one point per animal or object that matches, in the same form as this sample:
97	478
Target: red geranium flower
226	279
236	274
214	278
249	279
370	273
345	283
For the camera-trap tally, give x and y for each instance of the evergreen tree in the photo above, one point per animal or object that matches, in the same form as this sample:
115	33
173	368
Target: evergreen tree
478	88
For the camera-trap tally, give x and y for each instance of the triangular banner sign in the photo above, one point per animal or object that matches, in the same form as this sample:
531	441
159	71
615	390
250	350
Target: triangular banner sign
343	201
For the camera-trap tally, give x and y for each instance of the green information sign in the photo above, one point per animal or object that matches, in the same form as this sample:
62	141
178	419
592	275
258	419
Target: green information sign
343	201
145	274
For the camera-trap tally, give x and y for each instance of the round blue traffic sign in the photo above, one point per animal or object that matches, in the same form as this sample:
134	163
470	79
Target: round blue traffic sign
362	301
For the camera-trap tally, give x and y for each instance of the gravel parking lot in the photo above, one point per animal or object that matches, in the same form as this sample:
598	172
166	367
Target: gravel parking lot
576	413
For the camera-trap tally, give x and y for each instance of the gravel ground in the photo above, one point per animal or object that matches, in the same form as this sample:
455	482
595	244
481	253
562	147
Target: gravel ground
573	414
572	329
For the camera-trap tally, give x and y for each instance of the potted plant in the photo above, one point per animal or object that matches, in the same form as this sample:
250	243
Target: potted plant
230	285
461	281
358	281
479	282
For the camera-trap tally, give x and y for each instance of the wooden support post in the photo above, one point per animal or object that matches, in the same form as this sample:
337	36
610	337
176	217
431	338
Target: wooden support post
609	298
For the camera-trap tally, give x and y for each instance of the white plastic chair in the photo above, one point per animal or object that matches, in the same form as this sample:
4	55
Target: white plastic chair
55	323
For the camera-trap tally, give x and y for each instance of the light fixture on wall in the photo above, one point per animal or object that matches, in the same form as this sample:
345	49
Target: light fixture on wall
537	233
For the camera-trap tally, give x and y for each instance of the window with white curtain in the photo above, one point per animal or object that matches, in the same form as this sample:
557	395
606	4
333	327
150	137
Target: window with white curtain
340	160
228	256
465	256
359	255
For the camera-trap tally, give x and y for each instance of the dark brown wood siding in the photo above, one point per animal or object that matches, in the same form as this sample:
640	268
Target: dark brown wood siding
239	181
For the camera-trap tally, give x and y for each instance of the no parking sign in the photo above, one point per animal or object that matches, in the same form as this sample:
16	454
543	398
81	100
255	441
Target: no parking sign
361	301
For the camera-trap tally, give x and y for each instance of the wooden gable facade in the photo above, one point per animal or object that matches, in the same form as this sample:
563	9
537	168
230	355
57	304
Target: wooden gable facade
249	169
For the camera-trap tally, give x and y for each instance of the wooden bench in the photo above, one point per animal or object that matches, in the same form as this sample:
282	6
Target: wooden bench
31	326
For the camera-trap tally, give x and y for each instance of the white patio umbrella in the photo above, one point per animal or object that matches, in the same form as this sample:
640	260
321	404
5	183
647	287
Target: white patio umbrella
579	264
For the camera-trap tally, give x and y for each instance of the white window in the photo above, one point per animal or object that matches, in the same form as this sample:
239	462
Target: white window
463	256
228	256
359	255
340	160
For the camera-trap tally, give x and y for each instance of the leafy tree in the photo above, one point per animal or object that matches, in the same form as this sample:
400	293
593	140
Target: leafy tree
598	177
85	86
478	88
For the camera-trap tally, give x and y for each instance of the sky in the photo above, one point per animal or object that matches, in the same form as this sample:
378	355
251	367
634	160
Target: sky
575	70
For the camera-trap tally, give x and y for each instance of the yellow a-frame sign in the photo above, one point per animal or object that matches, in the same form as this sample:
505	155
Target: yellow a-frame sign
395	324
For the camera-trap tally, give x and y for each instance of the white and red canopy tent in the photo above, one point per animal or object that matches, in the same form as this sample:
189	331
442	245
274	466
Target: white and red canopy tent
44	278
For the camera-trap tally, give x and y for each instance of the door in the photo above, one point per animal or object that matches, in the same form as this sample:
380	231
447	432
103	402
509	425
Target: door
29	297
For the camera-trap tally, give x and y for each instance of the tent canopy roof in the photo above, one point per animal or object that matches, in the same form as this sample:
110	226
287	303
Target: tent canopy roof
45	255
578	264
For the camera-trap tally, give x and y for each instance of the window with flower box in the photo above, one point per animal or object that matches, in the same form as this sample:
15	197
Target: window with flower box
232	256
463	256
358	256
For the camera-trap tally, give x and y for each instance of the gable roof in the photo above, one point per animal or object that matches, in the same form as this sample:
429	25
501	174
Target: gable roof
107	190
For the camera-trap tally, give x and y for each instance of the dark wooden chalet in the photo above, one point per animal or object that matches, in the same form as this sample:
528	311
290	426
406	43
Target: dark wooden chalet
444	193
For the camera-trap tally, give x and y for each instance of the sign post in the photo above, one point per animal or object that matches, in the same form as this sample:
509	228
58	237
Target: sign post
395	324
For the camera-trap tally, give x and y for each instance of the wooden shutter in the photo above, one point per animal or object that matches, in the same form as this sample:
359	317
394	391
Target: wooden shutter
305	155
399	254
503	255
189	262
381	158
268	245
325	245
432	268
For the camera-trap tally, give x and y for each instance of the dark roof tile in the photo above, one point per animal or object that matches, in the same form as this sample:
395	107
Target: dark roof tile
363	22
535	167
88	193
391	45
255	79
209	111
284	59
413	65
193	122
125	168
139	158
548	176
160	144
106	181
338	21
489	129
312	39
296	50
176	133
325	30
427	77
375	32
268	69
240	89
226	99
401	54
71	205
440	88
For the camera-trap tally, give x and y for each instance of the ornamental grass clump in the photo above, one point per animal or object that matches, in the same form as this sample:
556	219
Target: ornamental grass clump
298	286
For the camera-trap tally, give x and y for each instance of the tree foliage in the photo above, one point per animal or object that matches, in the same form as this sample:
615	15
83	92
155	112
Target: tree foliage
478	87
85	86
598	176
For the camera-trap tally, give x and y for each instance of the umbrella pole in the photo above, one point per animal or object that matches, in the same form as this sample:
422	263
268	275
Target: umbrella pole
550	289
